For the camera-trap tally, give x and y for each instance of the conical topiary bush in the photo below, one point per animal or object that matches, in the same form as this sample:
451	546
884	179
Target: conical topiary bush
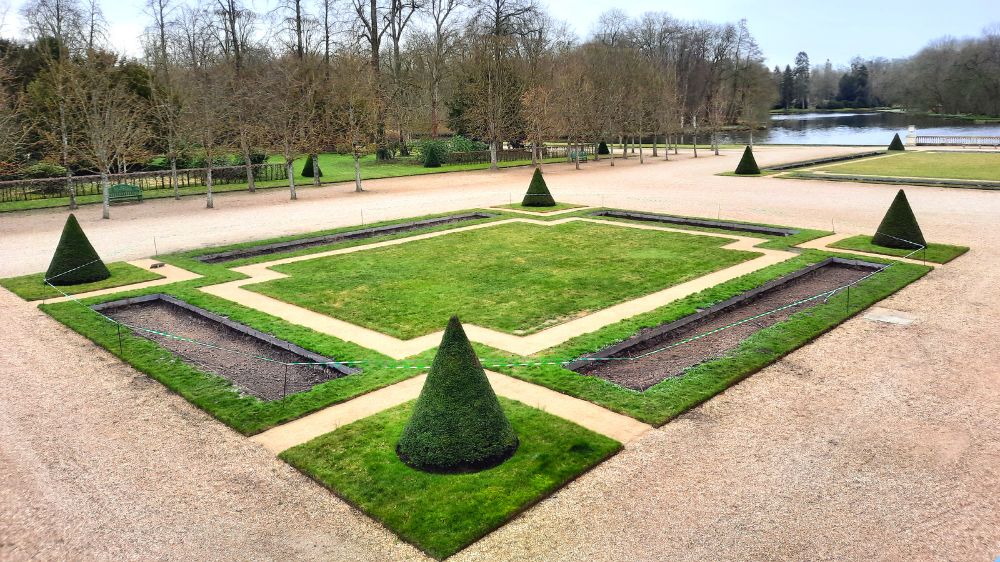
538	193
748	164
75	260
896	144
899	228
457	424
602	149
307	169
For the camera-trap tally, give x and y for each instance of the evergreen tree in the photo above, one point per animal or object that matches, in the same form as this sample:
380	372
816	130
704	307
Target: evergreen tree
602	149
748	164
538	193
787	88
457	423
801	80
75	260
899	228
896	144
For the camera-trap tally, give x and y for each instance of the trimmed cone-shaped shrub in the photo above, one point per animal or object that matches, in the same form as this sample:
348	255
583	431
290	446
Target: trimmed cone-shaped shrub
307	169
896	144
899	228
75	260
748	164
538	193
457	423
602	149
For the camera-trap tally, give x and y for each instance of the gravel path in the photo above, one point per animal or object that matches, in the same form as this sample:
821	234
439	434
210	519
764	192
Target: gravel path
876	441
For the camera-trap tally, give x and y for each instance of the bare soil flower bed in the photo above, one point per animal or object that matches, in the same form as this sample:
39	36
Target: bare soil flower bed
642	373
301	243
253	361
704	223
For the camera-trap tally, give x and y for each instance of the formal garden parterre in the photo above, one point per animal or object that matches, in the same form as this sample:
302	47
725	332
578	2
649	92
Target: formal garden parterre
499	271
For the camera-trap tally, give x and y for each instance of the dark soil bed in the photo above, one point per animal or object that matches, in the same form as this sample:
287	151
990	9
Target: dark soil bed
704	223
818	161
301	243
640	374
253	361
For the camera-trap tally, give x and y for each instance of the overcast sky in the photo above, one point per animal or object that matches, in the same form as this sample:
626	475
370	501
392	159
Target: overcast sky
832	29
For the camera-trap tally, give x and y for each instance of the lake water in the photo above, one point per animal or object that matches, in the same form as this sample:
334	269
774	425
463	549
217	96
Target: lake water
855	128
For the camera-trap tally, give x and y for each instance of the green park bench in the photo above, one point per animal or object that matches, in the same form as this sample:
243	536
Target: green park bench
573	154
124	192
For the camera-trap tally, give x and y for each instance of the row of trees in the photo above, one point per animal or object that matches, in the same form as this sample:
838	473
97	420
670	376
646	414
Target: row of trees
225	83
948	76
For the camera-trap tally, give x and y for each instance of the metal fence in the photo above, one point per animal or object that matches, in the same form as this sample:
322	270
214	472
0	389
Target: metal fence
926	140
55	188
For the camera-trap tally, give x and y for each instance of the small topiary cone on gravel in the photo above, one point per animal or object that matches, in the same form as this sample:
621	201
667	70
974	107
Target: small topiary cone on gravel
307	169
75	260
899	228
602	149
457	424
896	144
748	164
538	193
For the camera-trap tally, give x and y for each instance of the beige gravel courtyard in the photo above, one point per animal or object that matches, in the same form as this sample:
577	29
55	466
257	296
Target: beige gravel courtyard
877	440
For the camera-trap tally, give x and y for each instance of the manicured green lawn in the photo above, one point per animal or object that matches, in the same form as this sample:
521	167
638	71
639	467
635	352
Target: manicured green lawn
443	513
937	253
938	165
518	278
33	287
556	207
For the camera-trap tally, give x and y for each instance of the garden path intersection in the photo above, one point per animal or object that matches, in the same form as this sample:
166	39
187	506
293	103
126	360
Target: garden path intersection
785	464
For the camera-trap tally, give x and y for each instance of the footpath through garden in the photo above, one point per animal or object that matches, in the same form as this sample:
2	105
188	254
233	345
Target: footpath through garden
878	437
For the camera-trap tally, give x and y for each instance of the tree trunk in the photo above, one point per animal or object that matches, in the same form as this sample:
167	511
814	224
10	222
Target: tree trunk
105	194
654	146
642	159
173	176
290	170
251	185
357	172
624	143
493	156
715	142
209	202
576	155
315	160
751	137
695	145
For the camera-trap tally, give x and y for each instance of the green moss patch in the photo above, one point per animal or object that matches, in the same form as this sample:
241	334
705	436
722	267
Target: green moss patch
443	513
936	253
33	287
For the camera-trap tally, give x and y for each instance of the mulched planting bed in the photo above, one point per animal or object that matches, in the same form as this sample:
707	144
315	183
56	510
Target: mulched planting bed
724	225
292	245
253	361
640	374
818	161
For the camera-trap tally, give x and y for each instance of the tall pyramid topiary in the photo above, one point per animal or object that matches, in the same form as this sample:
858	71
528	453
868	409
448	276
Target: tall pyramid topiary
896	144
538	193
602	149
748	164
899	228
457	424
75	260
307	169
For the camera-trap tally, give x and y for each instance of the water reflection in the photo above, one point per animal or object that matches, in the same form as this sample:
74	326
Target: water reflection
874	129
